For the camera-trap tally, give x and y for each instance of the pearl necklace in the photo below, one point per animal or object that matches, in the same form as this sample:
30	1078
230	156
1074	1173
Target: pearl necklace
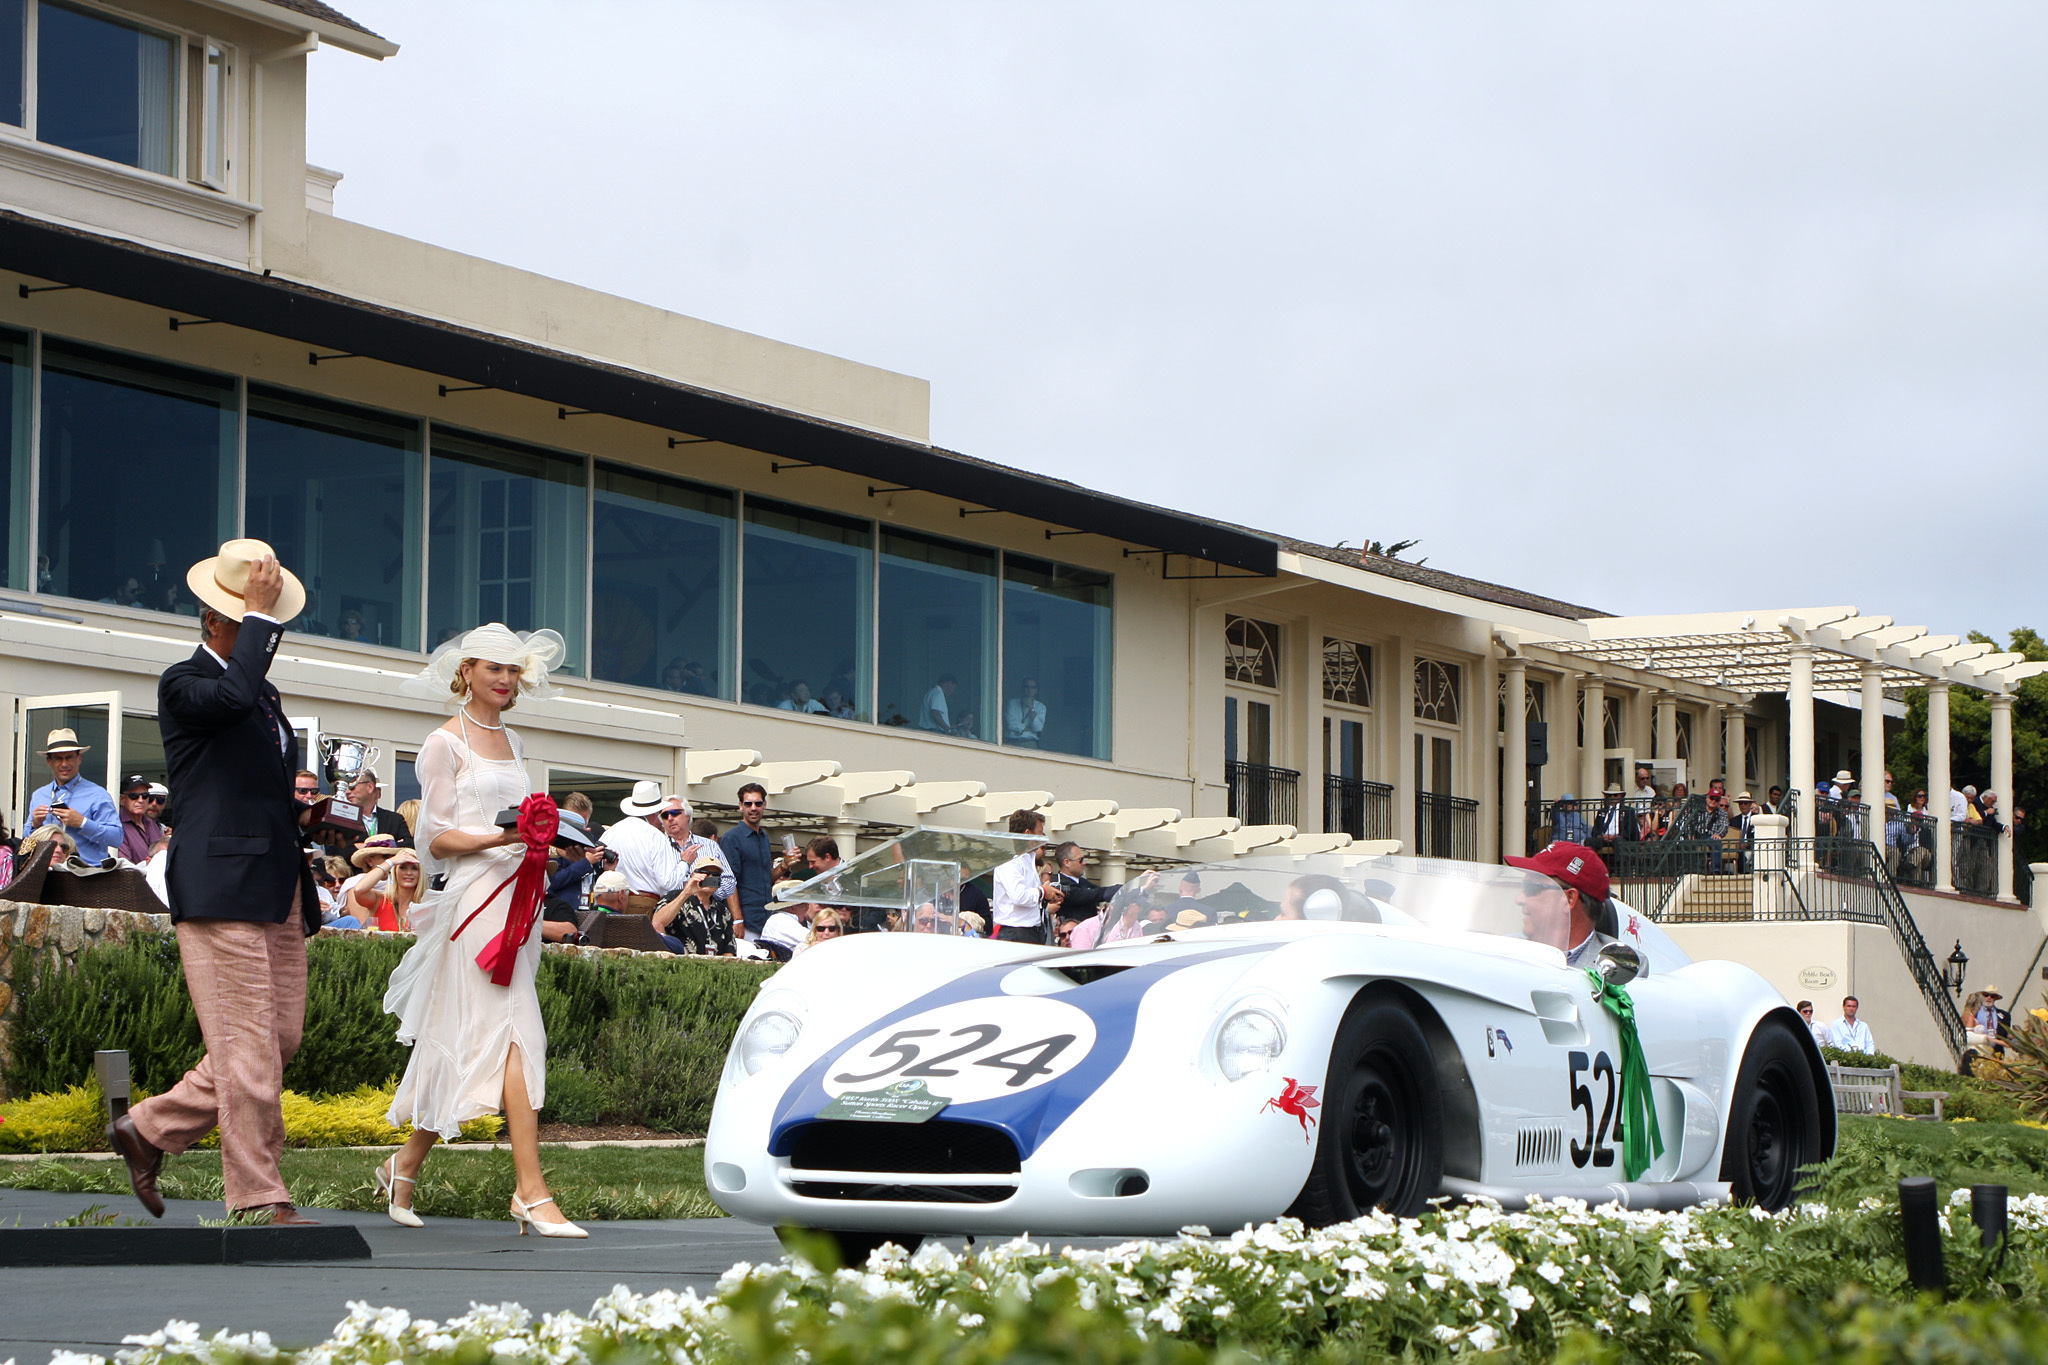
479	724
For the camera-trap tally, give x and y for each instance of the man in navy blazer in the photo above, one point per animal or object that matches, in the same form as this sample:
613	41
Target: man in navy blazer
241	892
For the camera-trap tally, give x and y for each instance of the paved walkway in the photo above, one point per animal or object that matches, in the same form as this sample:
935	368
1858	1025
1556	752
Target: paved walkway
436	1271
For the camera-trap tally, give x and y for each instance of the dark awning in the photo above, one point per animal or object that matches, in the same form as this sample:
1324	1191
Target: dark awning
334	322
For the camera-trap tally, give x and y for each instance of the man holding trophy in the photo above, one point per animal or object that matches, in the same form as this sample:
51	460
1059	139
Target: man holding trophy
241	893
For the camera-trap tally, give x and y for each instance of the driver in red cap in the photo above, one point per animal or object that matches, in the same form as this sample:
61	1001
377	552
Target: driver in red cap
1561	904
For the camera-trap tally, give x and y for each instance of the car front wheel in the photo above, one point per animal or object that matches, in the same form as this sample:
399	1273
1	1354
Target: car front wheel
1774	1125
1380	1145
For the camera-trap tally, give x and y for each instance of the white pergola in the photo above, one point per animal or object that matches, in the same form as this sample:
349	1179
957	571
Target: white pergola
1801	650
847	802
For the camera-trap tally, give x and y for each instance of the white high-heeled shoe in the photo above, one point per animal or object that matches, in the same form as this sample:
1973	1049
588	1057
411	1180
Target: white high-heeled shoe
388	1180
522	1214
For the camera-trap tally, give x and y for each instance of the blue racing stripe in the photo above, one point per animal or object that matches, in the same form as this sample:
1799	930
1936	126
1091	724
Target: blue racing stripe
1030	1116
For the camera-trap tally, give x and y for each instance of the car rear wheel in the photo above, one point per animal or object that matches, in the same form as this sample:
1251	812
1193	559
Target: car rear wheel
1380	1145
854	1248
1774	1125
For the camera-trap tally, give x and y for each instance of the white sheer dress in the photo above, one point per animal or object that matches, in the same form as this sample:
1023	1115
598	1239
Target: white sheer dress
461	1028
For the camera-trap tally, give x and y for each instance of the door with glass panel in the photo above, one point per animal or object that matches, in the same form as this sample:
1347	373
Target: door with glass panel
94	717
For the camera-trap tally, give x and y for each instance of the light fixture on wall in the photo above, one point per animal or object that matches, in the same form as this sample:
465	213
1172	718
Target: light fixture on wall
1958	963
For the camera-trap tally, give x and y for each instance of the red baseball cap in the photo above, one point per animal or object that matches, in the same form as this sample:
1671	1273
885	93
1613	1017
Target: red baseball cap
1575	865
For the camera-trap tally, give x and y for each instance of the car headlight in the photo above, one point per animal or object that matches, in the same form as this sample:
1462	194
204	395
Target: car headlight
1248	1042
767	1036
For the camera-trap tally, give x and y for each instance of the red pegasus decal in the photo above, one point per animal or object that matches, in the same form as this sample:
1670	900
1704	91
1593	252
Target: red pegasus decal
1297	1100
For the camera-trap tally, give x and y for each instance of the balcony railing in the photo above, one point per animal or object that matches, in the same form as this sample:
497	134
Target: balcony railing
1361	809
1262	795
1679	881
1446	827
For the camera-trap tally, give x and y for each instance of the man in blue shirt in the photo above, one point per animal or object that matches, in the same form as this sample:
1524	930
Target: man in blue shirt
752	859
82	806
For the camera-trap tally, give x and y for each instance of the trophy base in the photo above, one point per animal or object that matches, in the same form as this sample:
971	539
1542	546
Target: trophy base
331	812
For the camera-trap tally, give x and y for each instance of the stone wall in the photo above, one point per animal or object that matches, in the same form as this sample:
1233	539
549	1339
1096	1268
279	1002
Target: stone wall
56	931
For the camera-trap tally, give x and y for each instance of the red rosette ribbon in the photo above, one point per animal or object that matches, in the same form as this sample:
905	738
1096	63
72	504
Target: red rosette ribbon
538	821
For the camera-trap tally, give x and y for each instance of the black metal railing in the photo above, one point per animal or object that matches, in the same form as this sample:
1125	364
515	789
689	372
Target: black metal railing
1680	881
1361	809
1446	827
1909	847
1976	860
1261	794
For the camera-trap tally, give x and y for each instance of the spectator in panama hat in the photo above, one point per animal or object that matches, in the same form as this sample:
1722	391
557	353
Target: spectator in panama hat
82	806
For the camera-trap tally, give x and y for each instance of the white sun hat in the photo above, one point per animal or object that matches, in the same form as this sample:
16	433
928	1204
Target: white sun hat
221	580
645	800
535	653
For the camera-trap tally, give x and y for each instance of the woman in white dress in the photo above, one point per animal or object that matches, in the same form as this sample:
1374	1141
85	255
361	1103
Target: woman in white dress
477	1048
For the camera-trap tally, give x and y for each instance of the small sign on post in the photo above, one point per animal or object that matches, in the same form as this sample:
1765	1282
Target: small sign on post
112	1069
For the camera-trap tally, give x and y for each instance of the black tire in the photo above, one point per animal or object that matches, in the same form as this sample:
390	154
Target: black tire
1381	1142
1774	1125
853	1247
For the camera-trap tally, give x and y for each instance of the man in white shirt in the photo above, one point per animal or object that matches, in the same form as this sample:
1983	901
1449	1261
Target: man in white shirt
1024	716
647	859
789	922
1849	1033
1958	807
938	711
1019	900
688	848
1820	1034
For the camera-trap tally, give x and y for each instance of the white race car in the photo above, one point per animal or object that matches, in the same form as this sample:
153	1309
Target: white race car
1402	1040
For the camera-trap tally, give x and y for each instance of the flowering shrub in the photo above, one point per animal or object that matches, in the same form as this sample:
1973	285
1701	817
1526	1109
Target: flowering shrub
73	1121
1605	1283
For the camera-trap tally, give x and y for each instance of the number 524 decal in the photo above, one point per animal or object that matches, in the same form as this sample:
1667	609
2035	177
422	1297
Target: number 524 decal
970	1050
1595	1147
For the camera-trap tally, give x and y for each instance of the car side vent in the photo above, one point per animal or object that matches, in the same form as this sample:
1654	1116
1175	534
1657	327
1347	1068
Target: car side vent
1082	974
1538	1145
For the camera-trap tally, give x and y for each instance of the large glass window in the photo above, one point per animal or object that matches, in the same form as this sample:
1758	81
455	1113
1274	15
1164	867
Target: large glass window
807	591
662	583
15	480
138	476
106	88
1056	657
506	540
336	491
13	58
937	667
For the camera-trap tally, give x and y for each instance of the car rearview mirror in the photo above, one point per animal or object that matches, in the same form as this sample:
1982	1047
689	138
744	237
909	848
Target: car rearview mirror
1620	964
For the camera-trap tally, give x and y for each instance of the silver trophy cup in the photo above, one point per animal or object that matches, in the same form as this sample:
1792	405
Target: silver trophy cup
346	759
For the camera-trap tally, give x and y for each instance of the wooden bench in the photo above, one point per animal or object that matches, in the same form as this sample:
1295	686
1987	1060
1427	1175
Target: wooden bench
1875	1090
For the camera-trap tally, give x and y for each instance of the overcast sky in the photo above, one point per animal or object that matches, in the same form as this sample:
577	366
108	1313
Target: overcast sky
1649	307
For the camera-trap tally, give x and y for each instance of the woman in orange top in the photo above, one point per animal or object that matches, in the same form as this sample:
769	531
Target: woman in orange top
389	910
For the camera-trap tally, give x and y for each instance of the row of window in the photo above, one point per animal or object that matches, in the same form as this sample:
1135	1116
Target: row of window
1251	654
408	532
80	77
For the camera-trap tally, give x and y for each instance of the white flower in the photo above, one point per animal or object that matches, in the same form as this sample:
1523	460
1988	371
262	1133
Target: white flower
1483	1337
1550	1271
1520	1299
1640	1303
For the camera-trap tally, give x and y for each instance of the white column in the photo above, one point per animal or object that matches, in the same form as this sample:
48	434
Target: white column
1768	898
1873	752
846	834
2001	782
1401	772
1111	870
1666	743
1709	746
1736	756
1938	784
1799	703
1514	794
1592	758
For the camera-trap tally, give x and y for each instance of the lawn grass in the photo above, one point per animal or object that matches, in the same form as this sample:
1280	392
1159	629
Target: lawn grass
600	1184
1874	1153
596	1184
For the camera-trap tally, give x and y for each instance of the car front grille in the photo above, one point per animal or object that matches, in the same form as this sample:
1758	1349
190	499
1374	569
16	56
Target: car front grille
934	1147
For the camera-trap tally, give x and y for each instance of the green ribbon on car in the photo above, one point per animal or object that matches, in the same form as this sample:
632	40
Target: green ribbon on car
1641	1140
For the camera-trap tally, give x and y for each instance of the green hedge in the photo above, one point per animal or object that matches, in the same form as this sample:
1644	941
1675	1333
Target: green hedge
630	1040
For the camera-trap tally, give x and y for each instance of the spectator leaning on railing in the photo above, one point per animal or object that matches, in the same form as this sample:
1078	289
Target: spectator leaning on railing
1566	823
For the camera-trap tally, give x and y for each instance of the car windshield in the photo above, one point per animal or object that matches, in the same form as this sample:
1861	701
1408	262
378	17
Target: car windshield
1433	892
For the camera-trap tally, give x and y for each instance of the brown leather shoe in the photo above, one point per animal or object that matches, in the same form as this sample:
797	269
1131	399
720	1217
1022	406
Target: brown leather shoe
144	1162
273	1215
